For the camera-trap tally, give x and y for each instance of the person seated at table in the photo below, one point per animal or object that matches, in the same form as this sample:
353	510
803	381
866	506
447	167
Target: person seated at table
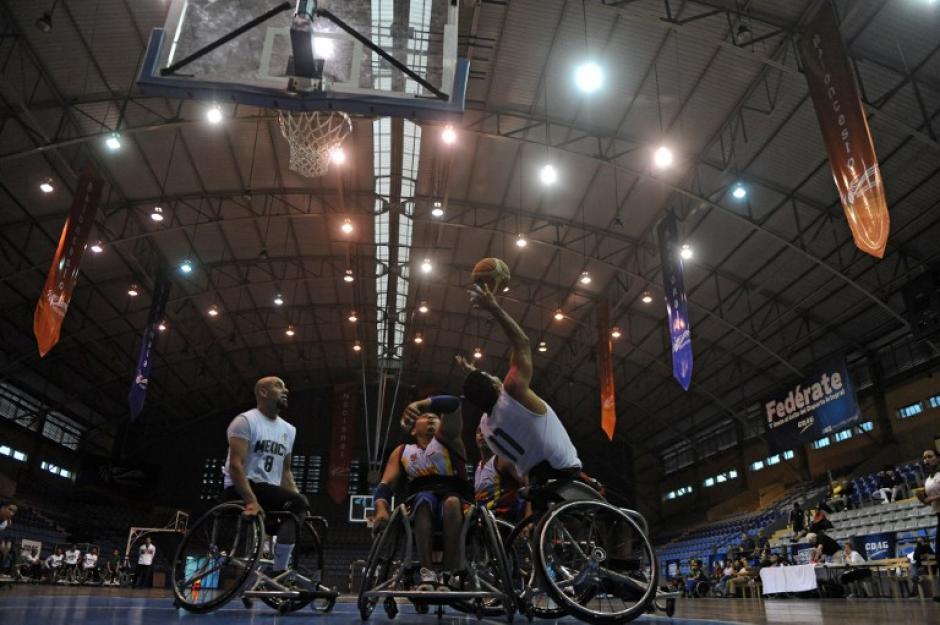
824	547
922	551
743	576
851	559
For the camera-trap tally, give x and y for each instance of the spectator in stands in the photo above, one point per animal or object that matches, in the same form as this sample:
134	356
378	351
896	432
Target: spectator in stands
747	546
889	485
853	558
742	577
931	493
143	576
726	574
90	566
54	564
820	522
72	558
825	547
796	520
840	495
114	568
921	552
7	512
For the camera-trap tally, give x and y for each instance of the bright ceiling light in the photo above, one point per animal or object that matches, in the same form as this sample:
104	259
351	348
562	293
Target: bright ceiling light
548	175
338	155
357	346
289	331
278	300
156	214
213	311
521	241
323	48
214	114
348	276
615	333
97	247
438	209
186	266
589	77
686	251
113	142
559	315
353	317
739	191
505	289
478	353
585	278
133	291
423	308
543	347
419	339
347	226
449	135
426	265
162	326
46	186
662	158
646	298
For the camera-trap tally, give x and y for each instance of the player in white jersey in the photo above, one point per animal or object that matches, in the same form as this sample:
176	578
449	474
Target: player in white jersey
434	470
90	565
72	556
257	470
519	426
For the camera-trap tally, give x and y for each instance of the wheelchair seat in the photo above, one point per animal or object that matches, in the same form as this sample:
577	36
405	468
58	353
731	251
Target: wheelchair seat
558	490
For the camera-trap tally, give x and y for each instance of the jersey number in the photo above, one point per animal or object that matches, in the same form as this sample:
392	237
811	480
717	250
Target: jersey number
505	443
268	463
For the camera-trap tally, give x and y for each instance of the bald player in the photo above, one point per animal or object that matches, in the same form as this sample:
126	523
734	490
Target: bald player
257	470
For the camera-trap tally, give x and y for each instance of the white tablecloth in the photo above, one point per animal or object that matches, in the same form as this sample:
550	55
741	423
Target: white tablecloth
788	578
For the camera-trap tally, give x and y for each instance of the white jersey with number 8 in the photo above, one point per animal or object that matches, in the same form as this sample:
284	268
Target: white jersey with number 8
270	441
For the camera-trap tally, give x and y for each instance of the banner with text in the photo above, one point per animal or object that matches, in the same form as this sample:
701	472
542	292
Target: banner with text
845	132
138	393
605	371
677	313
342	436
877	546
63	274
820	405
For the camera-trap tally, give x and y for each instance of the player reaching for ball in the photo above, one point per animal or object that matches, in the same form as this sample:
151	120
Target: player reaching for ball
519	426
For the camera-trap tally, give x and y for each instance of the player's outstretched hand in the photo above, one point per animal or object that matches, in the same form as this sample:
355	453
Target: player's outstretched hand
412	412
466	364
482	297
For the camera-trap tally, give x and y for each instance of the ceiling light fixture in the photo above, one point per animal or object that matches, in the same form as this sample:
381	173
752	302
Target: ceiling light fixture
686	252
542	346
162	326
347	226
278	300
97	247
438	209
585	278
113	142
478	353
548	175
353	317
449	135
739	191
338	155
589	77
615	333
348	276
559	315
156	214
646	298
663	157
46	186
213	311
521	241
323	47
214	114
44	22
426	265
132	290
423	308
419	339
357	346
186	266
289	331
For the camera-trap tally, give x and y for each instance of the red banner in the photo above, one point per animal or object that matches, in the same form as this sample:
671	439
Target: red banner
845	132
57	291
605	371
342	436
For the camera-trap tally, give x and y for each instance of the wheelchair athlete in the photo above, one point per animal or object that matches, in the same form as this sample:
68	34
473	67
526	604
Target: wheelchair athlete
496	484
436	487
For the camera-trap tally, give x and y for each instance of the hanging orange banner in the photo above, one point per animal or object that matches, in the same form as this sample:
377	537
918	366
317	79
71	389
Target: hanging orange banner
605	371
845	132
63	274
342	436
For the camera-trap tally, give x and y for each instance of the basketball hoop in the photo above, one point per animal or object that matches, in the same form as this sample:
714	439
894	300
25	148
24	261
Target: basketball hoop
312	137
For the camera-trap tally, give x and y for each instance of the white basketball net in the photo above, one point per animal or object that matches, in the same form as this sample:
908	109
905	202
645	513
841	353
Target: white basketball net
312	137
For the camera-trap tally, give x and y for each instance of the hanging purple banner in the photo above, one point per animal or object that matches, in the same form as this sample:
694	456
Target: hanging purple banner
138	392
680	332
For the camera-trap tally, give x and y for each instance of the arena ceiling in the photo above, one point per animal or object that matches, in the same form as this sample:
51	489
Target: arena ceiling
775	283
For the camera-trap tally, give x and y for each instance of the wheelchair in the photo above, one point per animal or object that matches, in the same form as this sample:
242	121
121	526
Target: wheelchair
579	555
480	586
223	556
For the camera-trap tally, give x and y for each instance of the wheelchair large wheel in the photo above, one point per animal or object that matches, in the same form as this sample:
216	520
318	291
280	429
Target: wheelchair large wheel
306	566
487	567
385	561
591	548
216	558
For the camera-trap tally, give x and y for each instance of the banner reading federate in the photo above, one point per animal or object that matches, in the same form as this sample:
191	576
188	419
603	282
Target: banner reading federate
845	132
138	393
605	371
819	405
342	435
677	313
63	274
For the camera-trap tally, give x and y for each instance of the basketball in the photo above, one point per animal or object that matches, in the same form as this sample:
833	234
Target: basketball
493	272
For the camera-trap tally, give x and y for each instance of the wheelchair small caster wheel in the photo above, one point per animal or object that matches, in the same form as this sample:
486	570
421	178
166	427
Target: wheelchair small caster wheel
670	607
177	604
247	602
391	608
421	608
478	609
